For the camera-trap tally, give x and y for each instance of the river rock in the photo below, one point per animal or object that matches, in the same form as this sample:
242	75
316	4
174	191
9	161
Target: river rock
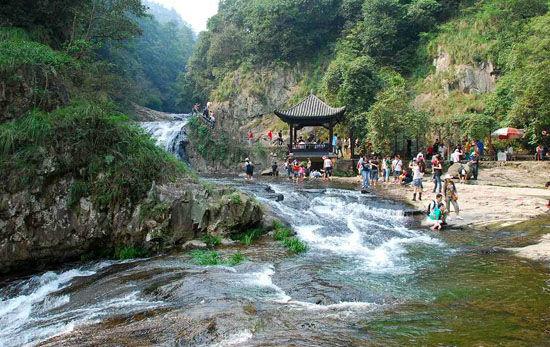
267	172
194	244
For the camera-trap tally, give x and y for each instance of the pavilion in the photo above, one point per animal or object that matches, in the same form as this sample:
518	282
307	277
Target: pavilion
311	112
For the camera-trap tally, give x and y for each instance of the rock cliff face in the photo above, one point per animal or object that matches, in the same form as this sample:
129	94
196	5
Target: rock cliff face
38	227
469	79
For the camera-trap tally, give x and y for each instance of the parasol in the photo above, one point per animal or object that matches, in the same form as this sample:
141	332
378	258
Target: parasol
508	133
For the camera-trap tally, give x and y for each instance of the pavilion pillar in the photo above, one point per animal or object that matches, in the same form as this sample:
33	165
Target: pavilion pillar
295	134
291	139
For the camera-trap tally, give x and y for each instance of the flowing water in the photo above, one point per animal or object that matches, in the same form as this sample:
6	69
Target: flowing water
370	277
170	135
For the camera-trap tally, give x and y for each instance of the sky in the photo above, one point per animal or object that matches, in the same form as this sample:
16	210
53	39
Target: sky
194	12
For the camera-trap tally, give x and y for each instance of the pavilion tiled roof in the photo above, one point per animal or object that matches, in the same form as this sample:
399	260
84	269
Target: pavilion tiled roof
311	109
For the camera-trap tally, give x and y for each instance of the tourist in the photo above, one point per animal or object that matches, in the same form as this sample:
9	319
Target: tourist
339	145
280	140
547	186
397	166
315	174
364	168
308	168
206	111
334	143
296	169
480	147
374	168
417	179
212	120
386	169
451	195
437	166
474	165
288	167
346	146
270	136
275	169
327	167
442	150
302	172
435	212
462	174
250	137
455	157
538	153
196	108
248	169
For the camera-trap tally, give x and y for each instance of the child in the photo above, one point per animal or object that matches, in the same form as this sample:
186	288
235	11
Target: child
436	213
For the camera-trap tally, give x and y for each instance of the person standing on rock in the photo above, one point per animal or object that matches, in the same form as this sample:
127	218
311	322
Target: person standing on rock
437	166
365	167
451	195
250	137
397	166
474	165
327	167
374	169
248	169
417	179
280	140
270	136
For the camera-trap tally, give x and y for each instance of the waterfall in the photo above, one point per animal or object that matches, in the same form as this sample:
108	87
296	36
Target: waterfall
170	135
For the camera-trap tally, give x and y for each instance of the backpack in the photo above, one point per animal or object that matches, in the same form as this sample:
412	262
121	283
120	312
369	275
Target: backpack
429	209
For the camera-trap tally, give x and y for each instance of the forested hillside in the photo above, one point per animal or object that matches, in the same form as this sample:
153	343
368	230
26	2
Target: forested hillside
404	68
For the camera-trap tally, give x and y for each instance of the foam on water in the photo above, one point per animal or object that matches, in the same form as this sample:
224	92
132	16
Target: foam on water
38	312
348	224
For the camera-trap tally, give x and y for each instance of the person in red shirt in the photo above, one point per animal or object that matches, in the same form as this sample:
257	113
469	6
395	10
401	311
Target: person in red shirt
270	135
250	137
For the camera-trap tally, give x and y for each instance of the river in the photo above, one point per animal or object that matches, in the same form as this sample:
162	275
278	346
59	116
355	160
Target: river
371	276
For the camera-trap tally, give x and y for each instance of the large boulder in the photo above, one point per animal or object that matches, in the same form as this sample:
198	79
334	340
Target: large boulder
40	227
454	170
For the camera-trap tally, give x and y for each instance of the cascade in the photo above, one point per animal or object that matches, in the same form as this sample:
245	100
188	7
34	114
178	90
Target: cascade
170	135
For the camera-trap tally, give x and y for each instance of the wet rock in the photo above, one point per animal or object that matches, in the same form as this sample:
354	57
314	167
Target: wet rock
41	228
228	242
194	244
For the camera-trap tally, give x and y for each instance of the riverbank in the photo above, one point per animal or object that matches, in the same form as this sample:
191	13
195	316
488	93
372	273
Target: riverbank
492	202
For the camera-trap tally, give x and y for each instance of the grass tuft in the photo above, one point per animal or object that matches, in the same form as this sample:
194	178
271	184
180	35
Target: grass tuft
212	240
284	235
213	258
129	252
